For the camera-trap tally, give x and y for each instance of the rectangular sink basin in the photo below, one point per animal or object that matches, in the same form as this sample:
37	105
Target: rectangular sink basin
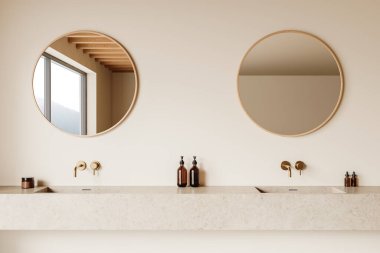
143	190
188	190
113	190
93	190
300	189
73	189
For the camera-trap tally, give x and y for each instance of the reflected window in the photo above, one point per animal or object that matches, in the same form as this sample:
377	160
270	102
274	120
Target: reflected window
60	91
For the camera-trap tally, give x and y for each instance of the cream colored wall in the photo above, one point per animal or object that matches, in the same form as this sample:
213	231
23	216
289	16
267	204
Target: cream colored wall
103	82
187	55
123	90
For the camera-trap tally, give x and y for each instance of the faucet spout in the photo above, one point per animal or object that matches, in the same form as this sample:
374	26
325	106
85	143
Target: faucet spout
81	165
285	165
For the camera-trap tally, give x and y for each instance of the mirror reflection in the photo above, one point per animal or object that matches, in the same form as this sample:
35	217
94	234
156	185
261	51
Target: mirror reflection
290	83
85	83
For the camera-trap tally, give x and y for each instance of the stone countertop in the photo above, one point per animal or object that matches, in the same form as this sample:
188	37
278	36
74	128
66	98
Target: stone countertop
188	190
129	190
203	208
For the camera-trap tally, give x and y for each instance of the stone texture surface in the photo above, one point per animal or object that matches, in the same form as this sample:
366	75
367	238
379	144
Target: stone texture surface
204	208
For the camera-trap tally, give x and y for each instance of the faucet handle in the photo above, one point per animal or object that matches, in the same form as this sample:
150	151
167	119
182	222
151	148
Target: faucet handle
300	166
285	165
95	165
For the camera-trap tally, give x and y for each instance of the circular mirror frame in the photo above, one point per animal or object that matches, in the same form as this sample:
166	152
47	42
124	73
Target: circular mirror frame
340	75
134	99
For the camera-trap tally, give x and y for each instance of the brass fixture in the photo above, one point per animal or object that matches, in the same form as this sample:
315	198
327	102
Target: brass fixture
285	165
81	165
95	166
300	166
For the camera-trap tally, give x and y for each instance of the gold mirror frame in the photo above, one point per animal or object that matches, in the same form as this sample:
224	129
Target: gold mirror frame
340	75
134	99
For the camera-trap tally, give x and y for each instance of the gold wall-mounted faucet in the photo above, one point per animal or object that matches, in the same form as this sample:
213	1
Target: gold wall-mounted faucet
81	165
285	165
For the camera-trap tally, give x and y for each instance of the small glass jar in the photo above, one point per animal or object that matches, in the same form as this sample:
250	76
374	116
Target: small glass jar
27	182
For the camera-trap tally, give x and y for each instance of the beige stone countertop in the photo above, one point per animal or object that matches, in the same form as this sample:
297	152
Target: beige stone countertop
129	190
204	208
190	190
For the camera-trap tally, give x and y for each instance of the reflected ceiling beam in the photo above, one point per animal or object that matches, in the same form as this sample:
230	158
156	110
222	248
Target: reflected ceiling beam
103	50
113	56
83	35
120	66
115	62
95	40
119	69
97	46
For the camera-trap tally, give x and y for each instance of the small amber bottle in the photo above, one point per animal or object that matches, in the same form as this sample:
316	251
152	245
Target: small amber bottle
194	174
354	180
181	174
347	180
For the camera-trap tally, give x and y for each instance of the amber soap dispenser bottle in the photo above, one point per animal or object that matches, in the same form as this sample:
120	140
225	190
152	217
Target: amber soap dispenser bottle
347	180
194	174
181	174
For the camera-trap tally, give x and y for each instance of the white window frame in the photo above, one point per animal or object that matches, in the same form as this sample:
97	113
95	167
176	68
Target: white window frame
48	58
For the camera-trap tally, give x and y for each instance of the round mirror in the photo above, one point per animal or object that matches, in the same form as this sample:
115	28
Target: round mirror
85	83
290	83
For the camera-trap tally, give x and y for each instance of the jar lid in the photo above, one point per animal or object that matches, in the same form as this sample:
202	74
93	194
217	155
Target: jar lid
27	178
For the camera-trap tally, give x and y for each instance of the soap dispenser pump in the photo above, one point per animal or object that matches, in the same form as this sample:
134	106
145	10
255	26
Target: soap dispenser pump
194	174
181	174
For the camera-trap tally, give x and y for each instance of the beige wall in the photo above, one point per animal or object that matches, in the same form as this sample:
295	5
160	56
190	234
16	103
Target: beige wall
123	91
188	55
103	82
